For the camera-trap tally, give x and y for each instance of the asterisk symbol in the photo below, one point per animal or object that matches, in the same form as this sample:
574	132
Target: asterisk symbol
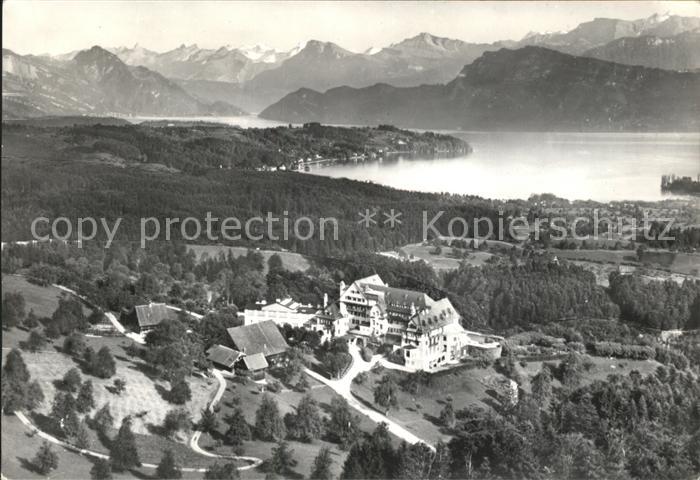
392	218
367	218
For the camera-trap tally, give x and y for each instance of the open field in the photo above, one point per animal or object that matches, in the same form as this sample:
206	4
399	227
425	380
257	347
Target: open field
291	261
602	272
141	393
419	412
686	263
20	447
43	300
605	256
16	460
673	262
443	261
601	368
50	365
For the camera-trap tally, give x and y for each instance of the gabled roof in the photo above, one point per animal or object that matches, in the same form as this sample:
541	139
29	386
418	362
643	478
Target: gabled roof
400	296
438	315
152	314
331	311
223	355
371	280
290	305
263	337
255	362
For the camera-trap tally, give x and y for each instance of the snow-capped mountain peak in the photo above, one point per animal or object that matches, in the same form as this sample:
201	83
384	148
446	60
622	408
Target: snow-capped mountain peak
265	54
255	52
656	18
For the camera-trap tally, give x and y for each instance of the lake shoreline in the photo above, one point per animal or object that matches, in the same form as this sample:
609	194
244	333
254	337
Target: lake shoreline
600	166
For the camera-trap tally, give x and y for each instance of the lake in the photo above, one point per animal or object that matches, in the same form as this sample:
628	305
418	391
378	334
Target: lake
598	166
505	165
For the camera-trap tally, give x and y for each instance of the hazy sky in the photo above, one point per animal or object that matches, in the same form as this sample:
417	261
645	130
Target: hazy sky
54	26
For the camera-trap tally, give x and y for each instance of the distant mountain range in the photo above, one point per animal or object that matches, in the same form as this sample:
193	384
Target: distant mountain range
255	77
93	82
601	31
531	88
680	52
190	80
225	64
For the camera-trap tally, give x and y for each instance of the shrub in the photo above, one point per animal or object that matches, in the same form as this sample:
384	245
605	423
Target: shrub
74	345
103	420
274	386
671	357
119	386
222	471
179	393
86	400
36	341
238	430
102	364
32	321
71	380
176	420
303	384
268	423
45	459
361	378
167	468
101	470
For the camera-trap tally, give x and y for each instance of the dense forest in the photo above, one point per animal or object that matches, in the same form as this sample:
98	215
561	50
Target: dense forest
133	172
634	426
40	176
194	147
126	275
539	291
658	305
626	427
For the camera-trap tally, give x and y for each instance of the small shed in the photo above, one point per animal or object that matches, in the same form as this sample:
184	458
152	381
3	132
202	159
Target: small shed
256	365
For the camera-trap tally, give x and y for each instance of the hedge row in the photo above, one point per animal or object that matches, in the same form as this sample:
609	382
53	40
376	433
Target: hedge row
620	350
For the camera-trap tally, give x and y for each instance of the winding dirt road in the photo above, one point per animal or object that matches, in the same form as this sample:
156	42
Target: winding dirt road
342	386
83	451
194	441
252	462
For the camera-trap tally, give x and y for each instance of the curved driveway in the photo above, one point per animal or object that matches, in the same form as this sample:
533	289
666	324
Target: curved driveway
342	387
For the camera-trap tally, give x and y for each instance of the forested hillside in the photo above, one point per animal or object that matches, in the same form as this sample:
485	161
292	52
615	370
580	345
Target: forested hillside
193	147
538	292
658	305
81	172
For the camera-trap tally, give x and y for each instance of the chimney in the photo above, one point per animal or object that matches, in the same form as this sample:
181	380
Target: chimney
325	300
